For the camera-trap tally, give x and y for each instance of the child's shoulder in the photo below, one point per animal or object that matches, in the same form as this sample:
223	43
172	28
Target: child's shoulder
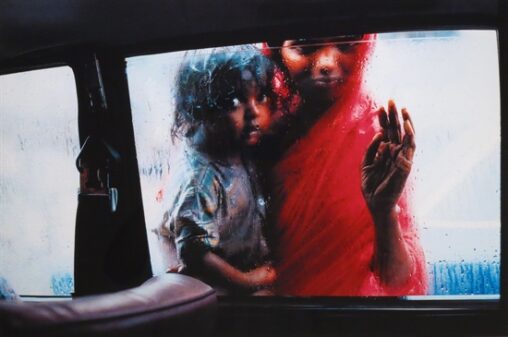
202	171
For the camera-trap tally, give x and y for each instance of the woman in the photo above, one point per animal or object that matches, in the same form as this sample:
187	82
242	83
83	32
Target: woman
342	223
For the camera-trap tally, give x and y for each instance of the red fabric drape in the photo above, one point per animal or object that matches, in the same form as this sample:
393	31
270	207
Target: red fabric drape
324	238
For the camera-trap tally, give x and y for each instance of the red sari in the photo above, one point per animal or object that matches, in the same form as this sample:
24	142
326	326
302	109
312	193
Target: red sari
324	235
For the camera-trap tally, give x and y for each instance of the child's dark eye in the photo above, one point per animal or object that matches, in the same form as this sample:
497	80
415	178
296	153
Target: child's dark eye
262	98
235	102
229	103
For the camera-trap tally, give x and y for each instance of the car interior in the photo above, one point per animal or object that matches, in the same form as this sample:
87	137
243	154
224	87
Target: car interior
85	104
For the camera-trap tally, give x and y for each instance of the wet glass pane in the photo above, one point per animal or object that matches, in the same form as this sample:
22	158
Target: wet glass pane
38	180
417	214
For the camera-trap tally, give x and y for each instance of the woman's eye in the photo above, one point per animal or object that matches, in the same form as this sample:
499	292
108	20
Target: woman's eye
304	49
345	47
297	49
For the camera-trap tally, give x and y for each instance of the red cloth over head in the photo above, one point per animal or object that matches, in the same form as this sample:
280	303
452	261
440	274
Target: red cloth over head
324	239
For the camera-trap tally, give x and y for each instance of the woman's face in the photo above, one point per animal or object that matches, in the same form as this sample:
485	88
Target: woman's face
319	68
250	115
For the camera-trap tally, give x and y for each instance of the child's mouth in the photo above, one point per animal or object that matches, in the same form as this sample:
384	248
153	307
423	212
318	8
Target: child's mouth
252	133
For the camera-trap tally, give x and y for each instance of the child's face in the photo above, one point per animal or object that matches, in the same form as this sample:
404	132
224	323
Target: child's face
250	116
319	68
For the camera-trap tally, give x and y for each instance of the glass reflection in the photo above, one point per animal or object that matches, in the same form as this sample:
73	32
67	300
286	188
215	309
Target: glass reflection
418	213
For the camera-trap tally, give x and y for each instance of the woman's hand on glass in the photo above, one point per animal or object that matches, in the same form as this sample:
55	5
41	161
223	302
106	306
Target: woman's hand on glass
388	161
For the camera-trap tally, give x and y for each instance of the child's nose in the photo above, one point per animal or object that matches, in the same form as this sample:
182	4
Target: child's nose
252	109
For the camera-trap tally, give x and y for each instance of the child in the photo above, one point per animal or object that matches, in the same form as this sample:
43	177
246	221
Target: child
223	103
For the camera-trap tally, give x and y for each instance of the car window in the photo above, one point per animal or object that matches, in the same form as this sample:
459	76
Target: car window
38	180
449	83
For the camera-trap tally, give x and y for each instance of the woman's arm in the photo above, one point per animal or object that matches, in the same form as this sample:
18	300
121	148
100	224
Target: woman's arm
385	169
392	261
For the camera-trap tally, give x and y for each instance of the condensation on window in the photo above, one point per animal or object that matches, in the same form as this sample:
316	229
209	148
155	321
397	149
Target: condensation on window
151	90
449	82
38	180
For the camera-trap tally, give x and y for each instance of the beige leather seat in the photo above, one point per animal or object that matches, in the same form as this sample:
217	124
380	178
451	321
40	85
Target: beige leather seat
167	305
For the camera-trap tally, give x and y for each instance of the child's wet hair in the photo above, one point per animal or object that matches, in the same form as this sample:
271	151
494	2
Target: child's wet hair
207	85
